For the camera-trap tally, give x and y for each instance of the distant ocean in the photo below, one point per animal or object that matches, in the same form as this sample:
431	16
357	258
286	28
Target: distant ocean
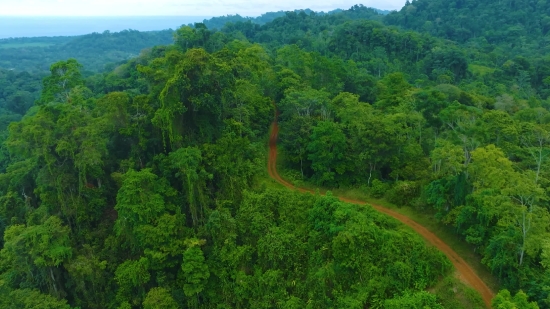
16	26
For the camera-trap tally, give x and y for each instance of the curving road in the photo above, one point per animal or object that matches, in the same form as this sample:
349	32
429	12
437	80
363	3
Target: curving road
466	273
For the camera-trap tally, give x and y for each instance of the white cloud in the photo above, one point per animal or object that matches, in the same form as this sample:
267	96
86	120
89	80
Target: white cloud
175	7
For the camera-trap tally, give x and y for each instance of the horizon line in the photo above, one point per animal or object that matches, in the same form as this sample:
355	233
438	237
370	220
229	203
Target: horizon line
79	16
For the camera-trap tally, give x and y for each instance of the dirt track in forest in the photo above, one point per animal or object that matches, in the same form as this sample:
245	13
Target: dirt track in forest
465	272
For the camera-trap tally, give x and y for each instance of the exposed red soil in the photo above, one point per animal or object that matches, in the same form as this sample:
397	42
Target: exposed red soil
465	272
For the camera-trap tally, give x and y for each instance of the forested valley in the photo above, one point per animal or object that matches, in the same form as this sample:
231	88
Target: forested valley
142	182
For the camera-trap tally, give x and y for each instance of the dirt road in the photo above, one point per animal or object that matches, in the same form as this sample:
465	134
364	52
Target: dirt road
465	272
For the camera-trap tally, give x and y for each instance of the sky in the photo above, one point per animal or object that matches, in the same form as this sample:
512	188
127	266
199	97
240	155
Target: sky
176	7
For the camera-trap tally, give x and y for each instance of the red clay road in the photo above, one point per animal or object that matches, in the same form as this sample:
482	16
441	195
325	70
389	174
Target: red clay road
465	272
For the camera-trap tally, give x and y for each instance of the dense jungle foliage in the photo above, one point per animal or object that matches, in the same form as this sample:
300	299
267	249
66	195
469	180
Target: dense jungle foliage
219	22
141	187
507	26
145	197
102	52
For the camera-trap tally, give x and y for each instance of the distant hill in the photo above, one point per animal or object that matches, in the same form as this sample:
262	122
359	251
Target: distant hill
219	22
514	24
94	50
381	12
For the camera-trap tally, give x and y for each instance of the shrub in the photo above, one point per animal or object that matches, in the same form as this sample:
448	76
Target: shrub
403	193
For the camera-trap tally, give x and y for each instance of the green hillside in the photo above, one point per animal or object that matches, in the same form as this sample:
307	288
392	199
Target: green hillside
94	50
137	179
518	26
220	22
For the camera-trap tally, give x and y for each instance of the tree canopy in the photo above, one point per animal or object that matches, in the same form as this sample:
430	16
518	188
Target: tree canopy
143	184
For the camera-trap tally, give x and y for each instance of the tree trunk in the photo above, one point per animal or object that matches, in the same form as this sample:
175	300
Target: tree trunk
53	282
302	167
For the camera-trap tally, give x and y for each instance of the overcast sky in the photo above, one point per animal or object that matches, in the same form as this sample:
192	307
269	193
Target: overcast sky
175	7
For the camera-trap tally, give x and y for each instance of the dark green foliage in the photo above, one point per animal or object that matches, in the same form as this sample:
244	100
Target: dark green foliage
324	242
18	91
143	197
30	299
514	23
137	187
326	152
356	12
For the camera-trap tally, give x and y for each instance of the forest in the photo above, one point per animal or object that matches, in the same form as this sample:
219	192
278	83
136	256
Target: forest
141	181
98	52
102	52
216	23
